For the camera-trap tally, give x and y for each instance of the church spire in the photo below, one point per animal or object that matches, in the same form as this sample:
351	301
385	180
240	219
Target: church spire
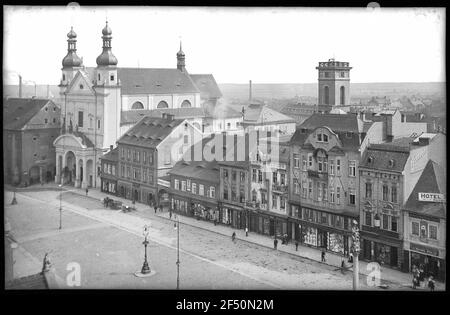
106	58
71	59
181	60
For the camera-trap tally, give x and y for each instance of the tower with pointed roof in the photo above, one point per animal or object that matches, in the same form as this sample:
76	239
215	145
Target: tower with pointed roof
71	63
181	65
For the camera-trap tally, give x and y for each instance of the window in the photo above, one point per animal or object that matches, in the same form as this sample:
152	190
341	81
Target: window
186	139
338	195
323	218
319	192
304	163
225	194
338	167
394	194
296	161
352	197
319	137
183	185
98	124
212	192
331	167
144	175
368	190
81	86
233	175
254	173
352	168
128	172
275	177
177	184
228	125
415	228
242	176
201	190
332	196
122	170
283	179
64	77
105	168
325	191
325	138
385	193
233	195
138	156
194	188
310	160
310	190
80	119
274	201
225	173
263	198
260	177
135	173
342	94
46	120
188	184
432	232
368	218
394	224
282	203
111	77
54	120
385	222
150	158
296	187
319	161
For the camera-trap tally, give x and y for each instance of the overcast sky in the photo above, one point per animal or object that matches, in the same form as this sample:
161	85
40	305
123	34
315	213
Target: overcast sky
266	45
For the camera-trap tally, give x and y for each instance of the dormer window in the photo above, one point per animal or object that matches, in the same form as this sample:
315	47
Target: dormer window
391	163
370	160
81	86
319	137
325	138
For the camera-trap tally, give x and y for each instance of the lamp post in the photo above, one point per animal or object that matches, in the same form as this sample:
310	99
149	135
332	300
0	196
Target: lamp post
355	250
145	268
177	227
60	206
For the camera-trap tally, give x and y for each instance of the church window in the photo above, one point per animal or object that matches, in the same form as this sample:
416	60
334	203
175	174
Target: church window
186	103
162	104
80	119
137	105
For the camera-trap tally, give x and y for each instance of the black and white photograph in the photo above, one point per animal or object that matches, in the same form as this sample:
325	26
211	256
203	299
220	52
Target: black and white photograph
224	148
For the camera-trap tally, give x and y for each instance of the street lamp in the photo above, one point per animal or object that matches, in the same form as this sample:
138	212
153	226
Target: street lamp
177	227
60	206
145	268
355	250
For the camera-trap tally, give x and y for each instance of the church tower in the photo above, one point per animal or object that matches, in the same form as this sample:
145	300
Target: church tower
334	85
181	60
71	62
107	87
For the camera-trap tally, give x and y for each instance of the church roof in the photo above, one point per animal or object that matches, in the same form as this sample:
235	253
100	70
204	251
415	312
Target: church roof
149	131
207	86
155	81
17	112
133	116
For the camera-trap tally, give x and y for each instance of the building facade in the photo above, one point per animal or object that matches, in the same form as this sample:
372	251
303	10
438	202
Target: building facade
109	171
30	125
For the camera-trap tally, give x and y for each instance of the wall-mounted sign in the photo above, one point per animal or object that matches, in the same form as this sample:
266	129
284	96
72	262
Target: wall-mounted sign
431	197
424	249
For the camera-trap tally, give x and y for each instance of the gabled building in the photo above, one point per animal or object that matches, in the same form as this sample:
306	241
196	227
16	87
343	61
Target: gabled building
388	172
30	125
147	152
425	223
258	117
109	171
324	184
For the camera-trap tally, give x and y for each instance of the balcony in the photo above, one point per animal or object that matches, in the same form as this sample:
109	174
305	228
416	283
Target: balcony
252	204
317	174
277	188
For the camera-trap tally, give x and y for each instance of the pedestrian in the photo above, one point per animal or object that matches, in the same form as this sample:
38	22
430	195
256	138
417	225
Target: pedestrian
296	245
431	283
342	266
215	222
275	243
155	208
323	256
350	258
87	190
233	237
246	231
170	214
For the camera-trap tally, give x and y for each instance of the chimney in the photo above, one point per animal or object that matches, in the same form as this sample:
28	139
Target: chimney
20	86
111	147
250	91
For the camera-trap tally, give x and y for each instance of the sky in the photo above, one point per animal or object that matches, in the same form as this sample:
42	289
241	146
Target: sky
265	45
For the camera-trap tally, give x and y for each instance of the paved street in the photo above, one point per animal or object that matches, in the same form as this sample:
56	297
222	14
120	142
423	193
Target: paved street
108	246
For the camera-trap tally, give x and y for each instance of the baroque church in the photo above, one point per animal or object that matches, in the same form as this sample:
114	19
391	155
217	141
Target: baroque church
97	103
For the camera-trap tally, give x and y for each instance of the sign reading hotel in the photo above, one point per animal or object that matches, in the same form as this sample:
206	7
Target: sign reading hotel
431	197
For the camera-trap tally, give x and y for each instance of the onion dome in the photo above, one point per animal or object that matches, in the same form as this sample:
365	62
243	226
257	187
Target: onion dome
106	58
72	59
180	52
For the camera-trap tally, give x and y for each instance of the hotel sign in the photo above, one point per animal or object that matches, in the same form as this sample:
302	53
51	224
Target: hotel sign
431	197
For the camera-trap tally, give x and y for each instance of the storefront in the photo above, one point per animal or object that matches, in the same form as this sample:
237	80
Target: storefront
232	215
322	238
428	258
109	186
206	211
267	224
387	252
180	205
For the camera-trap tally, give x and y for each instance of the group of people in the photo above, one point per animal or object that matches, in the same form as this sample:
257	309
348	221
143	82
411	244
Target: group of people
419	277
